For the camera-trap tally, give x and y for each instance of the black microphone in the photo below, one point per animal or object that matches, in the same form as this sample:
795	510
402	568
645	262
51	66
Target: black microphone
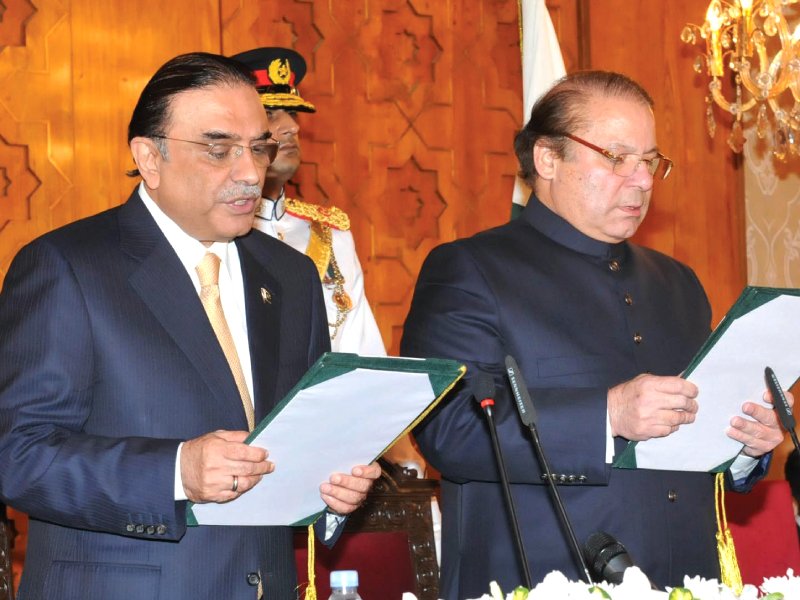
528	416
607	558
781	405
483	390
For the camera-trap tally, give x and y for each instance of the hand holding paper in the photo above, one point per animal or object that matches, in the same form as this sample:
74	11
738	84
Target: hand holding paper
760	329
347	410
649	406
761	434
345	493
210	462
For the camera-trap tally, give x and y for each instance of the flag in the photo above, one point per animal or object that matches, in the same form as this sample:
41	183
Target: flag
542	65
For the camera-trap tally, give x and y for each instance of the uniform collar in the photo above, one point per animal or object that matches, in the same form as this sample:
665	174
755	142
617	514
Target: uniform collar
272	210
551	225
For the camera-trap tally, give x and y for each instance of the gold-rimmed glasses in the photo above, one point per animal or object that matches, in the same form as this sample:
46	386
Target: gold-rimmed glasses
223	154
626	164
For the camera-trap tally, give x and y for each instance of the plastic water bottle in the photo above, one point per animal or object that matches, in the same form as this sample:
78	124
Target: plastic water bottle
344	585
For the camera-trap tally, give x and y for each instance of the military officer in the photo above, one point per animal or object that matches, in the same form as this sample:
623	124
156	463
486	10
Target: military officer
322	233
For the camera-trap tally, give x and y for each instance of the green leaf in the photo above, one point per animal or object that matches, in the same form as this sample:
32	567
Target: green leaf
773	596
681	594
596	590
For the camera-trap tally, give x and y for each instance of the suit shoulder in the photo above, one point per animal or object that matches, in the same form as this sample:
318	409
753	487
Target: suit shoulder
331	216
84	232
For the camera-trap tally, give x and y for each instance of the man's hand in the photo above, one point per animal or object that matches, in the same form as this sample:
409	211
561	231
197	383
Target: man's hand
762	434
210	462
649	406
345	493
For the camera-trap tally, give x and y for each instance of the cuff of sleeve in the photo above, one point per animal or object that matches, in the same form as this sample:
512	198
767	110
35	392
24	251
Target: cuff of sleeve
179	493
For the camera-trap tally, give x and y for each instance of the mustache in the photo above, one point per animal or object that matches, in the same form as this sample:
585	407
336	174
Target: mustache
242	191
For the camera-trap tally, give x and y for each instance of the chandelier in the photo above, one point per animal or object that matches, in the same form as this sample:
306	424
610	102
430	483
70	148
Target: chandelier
750	44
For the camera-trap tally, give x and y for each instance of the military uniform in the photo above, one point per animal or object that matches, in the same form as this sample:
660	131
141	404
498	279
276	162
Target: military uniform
324	235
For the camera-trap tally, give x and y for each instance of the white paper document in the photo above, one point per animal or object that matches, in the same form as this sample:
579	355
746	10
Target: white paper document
326	428
731	373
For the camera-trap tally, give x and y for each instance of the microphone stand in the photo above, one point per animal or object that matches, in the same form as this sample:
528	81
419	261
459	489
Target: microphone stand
486	404
528	416
781	405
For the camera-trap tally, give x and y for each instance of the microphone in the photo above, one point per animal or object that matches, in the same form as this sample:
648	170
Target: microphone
781	405
483	390
607	558
528	416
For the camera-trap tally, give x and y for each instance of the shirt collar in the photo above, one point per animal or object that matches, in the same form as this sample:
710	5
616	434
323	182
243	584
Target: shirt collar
189	250
555	227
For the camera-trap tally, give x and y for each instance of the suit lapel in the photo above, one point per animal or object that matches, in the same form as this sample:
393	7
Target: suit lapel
164	286
262	294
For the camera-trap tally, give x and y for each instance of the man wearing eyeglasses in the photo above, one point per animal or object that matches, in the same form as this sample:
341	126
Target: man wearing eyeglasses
139	348
600	328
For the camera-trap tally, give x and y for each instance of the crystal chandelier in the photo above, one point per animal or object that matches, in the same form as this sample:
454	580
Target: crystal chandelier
750	43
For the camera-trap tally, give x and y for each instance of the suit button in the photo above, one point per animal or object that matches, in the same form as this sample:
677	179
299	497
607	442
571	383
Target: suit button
129	528
582	478
672	496
614	266
139	528
150	530
253	579
571	478
628	299
637	338
161	529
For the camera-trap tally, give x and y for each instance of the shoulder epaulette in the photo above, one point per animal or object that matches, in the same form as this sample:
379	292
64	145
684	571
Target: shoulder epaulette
327	215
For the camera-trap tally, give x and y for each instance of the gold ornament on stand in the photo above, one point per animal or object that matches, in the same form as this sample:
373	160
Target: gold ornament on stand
751	43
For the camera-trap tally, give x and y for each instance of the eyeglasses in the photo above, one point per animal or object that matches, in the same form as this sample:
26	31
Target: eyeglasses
625	165
223	154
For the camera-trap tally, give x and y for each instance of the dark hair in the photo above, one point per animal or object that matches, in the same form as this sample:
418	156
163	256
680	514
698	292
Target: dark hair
560	110
191	71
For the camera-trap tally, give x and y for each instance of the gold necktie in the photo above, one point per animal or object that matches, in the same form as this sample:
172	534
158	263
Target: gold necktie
208	271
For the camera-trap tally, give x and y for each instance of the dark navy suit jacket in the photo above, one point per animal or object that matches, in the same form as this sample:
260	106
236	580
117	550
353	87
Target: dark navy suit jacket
579	316
107	362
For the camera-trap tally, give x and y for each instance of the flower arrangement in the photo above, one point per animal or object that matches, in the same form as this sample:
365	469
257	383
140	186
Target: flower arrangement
636	586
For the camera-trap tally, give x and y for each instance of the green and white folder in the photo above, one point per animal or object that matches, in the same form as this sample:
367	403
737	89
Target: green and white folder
762	329
347	410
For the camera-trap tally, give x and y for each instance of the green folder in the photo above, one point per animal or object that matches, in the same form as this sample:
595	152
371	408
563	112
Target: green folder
773	344
346	410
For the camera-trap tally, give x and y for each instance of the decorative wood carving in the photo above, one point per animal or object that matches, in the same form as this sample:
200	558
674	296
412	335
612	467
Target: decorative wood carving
14	15
399	501
17	183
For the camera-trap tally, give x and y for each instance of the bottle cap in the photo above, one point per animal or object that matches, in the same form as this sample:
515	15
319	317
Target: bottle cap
344	579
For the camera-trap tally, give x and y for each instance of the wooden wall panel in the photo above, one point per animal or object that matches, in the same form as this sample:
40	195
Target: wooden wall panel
70	73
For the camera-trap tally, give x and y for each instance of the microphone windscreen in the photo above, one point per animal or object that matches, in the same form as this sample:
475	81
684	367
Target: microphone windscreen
606	557
483	386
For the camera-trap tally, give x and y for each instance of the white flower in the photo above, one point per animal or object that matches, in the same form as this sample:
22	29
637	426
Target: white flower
635	586
789	585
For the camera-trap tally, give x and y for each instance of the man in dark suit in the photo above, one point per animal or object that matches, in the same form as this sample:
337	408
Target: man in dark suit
600	328
122	394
